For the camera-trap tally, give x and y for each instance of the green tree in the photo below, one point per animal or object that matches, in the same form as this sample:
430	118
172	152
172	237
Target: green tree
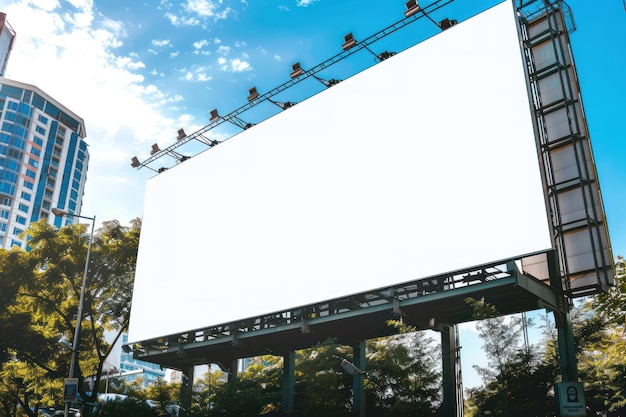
403	374
322	388
41	303
599	328
517	381
611	305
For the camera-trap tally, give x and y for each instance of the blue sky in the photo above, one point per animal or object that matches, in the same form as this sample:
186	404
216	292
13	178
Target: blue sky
139	71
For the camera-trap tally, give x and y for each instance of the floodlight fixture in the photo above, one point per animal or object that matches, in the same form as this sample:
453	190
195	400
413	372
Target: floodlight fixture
155	149
181	134
253	94
214	115
348	42
134	162
411	8
284	105
296	70
351	368
447	23
385	55
327	83
162	169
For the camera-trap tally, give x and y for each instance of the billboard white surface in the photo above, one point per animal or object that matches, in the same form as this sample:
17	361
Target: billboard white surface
423	164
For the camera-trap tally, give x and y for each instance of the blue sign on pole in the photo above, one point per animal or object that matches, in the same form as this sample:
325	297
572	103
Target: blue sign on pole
70	390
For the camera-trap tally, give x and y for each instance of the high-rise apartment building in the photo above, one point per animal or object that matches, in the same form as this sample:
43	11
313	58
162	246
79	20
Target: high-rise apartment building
7	34
43	159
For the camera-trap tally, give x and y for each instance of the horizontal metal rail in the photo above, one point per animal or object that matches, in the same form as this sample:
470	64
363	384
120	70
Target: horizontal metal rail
306	73
298	317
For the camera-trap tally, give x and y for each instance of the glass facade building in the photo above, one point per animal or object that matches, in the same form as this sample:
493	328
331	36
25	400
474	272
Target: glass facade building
43	160
7	35
152	372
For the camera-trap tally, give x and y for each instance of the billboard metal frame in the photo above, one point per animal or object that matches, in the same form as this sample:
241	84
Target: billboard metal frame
542	280
573	195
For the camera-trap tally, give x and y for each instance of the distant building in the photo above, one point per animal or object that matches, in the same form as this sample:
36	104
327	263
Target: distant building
7	35
43	160
151	371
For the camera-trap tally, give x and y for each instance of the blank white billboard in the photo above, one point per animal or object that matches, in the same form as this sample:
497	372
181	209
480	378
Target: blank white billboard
423	164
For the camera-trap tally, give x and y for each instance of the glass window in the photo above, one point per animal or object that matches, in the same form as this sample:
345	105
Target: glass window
20	219
28	184
35	151
4	214
10	91
38	140
43	119
23	208
31	174
3	227
26	196
16	243
17	230
40	130
38	101
33	162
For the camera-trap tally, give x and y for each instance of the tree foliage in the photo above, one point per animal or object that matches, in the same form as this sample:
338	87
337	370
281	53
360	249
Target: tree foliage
40	292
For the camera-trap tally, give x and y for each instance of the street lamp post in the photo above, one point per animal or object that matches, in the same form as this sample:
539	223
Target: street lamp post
61	213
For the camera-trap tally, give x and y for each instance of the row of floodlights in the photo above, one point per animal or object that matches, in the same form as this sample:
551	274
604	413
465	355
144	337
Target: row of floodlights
412	7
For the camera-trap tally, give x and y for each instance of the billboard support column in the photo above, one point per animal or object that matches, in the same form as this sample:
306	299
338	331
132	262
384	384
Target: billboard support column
358	390
449	353
232	372
288	385
565	332
186	391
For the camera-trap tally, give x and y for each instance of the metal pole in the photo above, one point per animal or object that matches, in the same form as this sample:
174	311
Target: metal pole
79	315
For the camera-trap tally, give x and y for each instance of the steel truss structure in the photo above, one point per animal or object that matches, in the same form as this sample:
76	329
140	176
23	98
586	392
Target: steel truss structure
565	151
297	77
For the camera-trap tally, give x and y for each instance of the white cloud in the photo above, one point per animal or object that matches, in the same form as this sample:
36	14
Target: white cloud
283	8
160	43
200	44
182	21
47	5
305	3
83	72
278	57
240	44
238	65
199	73
223	50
